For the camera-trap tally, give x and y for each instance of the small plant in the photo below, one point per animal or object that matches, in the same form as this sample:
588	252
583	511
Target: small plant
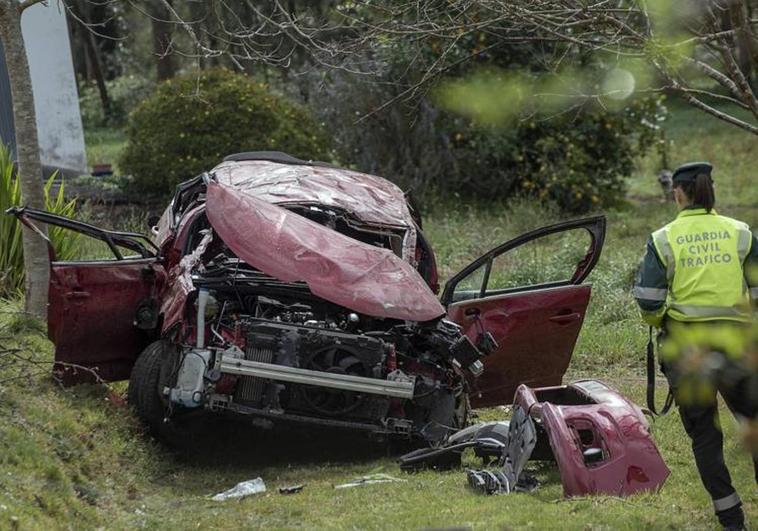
191	122
11	252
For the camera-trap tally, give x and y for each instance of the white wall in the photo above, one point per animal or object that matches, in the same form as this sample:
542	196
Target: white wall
59	123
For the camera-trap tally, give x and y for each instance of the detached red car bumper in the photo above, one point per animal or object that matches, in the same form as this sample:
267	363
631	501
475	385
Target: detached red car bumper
600	440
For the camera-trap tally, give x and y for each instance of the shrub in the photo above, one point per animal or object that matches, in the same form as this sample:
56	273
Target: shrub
11	251
579	162
125	93
191	122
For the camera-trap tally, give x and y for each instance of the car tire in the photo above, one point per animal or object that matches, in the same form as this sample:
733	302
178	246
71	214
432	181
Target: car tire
150	374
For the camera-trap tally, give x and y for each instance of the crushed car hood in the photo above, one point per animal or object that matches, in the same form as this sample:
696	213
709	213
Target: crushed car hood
371	199
337	268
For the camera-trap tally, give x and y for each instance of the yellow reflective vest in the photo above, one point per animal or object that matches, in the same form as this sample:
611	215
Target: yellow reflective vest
703	254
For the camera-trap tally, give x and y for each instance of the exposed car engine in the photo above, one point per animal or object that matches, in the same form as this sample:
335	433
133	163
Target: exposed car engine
276	351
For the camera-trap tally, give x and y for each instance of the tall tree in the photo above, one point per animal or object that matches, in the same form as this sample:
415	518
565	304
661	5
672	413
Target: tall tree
36	258
79	12
162	27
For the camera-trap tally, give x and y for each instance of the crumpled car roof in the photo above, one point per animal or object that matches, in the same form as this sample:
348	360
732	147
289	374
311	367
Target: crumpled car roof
371	199
362	277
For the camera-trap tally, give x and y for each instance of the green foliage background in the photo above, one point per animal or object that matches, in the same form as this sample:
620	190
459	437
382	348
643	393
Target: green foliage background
484	136
191	122
578	161
124	92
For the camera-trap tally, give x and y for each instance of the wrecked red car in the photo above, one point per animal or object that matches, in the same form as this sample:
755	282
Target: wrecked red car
296	291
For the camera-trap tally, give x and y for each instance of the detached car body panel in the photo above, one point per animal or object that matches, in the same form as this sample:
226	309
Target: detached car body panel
301	292
600	440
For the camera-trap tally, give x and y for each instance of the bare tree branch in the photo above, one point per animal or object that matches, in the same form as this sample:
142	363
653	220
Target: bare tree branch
687	95
439	39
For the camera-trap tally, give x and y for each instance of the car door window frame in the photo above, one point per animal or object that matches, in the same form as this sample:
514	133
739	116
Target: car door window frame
114	239
594	225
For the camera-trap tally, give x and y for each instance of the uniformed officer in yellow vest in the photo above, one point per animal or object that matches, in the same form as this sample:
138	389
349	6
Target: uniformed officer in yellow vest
700	272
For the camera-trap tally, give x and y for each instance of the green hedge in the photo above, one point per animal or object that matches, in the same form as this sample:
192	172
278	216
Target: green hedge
580	162
191	122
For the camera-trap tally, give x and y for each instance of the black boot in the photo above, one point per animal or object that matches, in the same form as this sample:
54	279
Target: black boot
733	519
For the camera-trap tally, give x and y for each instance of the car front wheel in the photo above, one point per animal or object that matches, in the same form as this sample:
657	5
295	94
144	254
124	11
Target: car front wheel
150	375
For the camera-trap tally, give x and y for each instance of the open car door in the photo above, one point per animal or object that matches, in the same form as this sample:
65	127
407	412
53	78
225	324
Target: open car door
102	307
528	294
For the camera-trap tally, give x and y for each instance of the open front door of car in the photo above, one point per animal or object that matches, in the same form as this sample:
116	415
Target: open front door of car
528	294
102	306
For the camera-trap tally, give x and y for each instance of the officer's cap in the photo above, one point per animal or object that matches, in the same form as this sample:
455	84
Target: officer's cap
686	173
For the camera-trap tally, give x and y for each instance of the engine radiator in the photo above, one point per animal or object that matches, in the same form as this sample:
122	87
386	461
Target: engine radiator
289	345
250	389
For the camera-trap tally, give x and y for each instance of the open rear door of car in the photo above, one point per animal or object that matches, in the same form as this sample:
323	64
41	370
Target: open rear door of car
528	294
102	306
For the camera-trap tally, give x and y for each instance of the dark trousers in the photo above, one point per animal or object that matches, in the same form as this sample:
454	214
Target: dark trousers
702	424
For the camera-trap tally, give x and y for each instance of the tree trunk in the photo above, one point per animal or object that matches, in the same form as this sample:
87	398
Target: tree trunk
162	29
36	258
92	53
77	51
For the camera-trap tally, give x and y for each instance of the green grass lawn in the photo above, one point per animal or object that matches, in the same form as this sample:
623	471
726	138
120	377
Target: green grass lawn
74	458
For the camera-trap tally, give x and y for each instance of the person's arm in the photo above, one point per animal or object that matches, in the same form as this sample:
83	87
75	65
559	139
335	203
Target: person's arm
651	287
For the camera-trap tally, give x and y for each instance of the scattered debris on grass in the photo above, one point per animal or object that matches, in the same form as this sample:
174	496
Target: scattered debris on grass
498	482
293	489
599	440
488	440
369	480
241	490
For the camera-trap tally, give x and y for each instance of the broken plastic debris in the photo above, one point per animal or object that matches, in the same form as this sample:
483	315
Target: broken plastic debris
242	489
498	482
368	480
489	481
291	489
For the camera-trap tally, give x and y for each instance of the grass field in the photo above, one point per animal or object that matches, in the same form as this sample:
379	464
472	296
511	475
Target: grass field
76	459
